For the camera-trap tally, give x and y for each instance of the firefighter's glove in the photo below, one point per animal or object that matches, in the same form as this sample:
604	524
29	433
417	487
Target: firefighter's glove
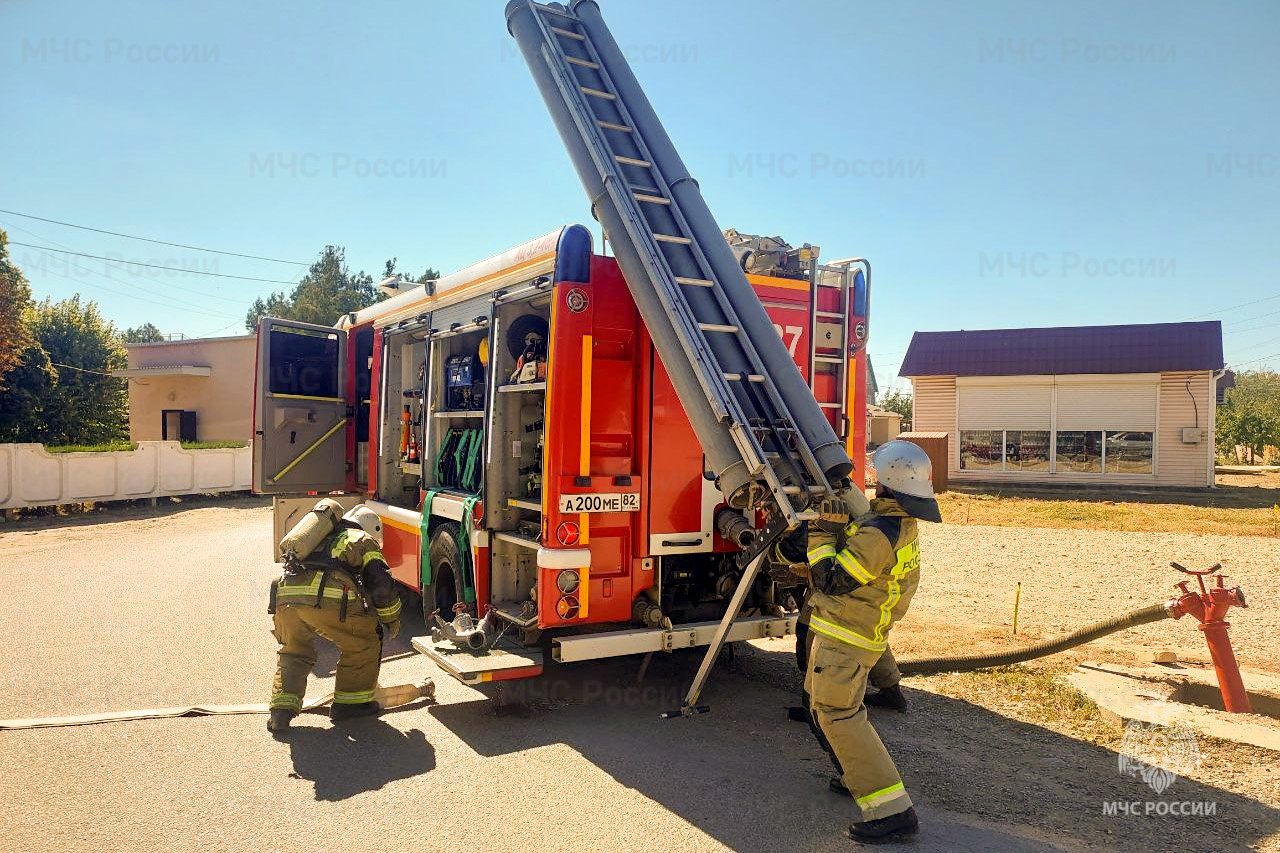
829	577
390	630
792	547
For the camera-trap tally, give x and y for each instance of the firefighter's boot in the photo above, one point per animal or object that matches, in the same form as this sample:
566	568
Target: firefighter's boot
888	697
902	826
278	723
340	712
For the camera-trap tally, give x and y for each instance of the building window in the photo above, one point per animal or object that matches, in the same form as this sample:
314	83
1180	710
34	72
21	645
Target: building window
981	449
1026	450
1080	452
1129	452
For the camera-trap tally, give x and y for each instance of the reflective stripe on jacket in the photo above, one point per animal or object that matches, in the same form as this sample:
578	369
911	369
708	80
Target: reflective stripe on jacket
881	552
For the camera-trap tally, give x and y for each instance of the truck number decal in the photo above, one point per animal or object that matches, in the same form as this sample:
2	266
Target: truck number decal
790	336
601	502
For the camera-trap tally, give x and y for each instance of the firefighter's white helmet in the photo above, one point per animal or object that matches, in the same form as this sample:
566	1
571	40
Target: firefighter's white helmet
904	469
367	520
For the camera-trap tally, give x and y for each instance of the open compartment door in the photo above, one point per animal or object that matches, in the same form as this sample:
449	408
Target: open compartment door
300	411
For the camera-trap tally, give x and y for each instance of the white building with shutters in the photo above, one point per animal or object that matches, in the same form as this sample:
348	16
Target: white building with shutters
1126	405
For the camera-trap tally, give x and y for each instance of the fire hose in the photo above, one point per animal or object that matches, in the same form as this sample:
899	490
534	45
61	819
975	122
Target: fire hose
1208	607
1087	634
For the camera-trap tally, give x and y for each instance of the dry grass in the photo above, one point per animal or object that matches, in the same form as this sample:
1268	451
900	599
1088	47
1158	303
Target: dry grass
1002	511
1031	694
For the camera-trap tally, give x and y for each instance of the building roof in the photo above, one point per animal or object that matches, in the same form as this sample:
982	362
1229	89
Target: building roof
1139	348
163	370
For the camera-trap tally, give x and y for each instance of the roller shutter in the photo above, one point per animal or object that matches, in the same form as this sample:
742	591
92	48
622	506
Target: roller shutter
1107	405
1005	405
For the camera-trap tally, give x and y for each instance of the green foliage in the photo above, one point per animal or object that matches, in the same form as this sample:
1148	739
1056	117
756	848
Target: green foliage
898	402
325	293
144	334
86	405
15	301
211	445
107	447
1248	421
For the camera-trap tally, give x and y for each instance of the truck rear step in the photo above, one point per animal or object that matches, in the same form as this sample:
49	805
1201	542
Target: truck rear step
506	661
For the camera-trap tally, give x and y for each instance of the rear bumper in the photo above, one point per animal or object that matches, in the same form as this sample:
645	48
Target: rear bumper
640	640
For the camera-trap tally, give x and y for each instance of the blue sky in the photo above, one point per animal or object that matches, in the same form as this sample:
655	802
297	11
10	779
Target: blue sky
1000	163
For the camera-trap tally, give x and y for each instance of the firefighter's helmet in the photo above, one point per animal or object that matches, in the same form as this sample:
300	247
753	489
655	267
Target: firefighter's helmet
904	469
365	519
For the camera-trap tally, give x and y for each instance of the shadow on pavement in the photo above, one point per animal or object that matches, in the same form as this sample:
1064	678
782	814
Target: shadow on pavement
358	756
757	782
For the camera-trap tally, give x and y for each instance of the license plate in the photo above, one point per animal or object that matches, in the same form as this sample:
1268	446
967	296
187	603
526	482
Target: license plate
601	502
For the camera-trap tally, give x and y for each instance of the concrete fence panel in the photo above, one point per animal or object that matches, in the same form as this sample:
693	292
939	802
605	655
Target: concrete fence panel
30	476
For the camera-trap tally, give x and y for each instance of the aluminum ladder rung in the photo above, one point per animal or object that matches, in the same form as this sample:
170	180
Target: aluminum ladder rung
651	199
608	125
828	359
596	93
694	282
568	34
632	161
737	377
672	238
585	63
813	490
718	327
833	314
831	405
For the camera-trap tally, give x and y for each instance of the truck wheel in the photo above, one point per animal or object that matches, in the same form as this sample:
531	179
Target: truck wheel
442	593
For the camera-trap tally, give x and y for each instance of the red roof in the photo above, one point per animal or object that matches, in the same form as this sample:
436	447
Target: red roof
1140	348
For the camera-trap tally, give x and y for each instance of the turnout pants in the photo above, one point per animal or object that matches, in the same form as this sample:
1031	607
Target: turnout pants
836	682
883	675
359	648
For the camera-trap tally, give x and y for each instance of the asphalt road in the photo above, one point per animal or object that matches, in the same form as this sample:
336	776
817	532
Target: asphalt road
168	608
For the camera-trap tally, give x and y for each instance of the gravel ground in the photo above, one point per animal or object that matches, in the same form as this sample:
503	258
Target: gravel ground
1073	577
153	609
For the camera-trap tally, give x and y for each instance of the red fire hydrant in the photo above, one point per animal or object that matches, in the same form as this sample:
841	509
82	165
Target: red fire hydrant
1209	606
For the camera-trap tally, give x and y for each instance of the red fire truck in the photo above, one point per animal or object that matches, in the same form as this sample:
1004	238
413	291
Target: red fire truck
535	458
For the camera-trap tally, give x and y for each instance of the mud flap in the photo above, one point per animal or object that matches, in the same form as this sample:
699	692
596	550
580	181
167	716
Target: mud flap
506	661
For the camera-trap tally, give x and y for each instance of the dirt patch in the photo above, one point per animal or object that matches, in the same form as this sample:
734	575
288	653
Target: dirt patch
1223	513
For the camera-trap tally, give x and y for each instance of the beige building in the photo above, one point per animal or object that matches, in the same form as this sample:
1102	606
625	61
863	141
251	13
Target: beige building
198	389
882	426
1124	405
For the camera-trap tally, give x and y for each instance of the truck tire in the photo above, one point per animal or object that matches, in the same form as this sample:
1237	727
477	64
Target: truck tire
443	591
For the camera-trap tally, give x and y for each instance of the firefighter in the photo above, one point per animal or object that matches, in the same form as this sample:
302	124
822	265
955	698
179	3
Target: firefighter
343	593
858	592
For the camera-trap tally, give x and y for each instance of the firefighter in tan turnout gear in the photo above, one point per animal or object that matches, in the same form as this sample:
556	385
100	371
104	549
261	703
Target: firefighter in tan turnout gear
859	591
336	586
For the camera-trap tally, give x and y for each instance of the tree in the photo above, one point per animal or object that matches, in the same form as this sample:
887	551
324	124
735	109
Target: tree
26	376
326	292
86	405
15	301
144	334
1249	416
899	402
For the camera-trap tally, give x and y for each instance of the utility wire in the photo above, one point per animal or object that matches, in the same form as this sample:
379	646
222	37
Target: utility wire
142	298
1234	307
159	242
178	303
81	369
157	266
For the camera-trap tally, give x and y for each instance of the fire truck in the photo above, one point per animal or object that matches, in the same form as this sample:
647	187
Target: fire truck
574	453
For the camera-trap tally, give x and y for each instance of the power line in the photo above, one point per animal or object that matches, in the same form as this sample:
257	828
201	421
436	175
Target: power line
81	369
1234	307
142	298
157	266
179	304
159	242
1256	360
